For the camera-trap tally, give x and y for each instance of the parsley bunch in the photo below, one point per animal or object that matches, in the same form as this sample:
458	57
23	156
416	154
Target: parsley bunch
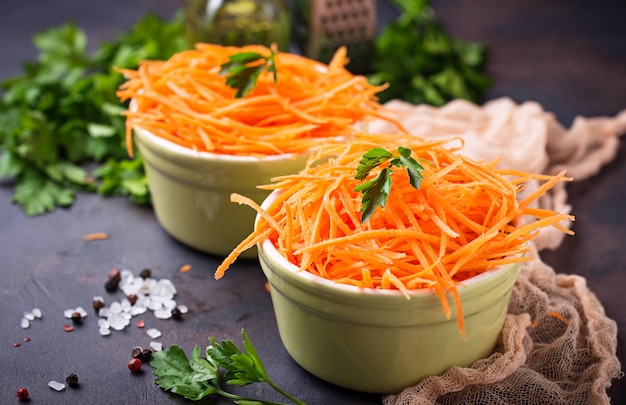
200	377
63	113
423	63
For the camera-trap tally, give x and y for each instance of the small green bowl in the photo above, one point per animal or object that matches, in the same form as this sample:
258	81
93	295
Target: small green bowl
191	191
377	340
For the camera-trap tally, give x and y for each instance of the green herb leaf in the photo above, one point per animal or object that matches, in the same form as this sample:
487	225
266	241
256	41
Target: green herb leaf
371	159
376	190
125	178
242	368
242	72
375	193
199	377
413	168
176	374
37	194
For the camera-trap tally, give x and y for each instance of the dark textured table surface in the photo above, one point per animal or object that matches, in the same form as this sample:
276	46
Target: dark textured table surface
569	55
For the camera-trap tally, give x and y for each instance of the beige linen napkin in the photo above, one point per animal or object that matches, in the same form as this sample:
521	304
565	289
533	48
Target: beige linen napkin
557	345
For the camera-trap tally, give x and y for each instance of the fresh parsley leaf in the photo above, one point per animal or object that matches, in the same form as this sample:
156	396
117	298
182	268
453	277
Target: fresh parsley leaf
242	73
37	194
199	377
376	190
175	373
242	368
413	168
371	159
375	193
123	177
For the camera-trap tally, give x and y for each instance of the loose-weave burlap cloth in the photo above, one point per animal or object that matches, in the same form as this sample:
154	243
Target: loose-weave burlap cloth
557	346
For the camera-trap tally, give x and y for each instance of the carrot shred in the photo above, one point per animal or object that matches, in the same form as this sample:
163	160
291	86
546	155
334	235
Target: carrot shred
460	223
185	100
96	236
185	268
558	316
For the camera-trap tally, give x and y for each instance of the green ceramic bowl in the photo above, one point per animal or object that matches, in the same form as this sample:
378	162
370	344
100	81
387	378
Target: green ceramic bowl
377	340
191	191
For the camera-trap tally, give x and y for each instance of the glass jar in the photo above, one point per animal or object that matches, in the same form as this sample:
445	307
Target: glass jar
238	22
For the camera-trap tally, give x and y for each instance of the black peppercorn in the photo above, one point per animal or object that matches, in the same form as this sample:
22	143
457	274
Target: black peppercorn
110	286
146	355
76	317
72	380
132	298
135	352
176	314
145	273
97	305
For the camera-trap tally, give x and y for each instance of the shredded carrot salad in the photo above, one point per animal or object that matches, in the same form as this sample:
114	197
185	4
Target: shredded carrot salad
462	221
186	101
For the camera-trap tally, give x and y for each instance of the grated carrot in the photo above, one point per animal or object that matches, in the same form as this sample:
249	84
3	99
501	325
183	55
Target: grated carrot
558	316
96	236
185	100
460	222
185	268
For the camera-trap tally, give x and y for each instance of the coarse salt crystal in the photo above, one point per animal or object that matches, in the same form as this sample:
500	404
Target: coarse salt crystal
57	386
183	309
125	305
115	307
104	331
163	313
154	333
69	312
36	313
169	304
117	321
154	303
135	310
25	324
156	346
29	316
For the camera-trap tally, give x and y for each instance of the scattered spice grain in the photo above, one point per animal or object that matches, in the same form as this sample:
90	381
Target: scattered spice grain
22	393
134	365
96	236
72	380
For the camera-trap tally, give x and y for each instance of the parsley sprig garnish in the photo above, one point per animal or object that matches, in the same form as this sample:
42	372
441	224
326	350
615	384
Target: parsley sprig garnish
199	377
376	191
242	72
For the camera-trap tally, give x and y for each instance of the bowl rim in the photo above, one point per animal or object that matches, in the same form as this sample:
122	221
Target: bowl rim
195	154
267	247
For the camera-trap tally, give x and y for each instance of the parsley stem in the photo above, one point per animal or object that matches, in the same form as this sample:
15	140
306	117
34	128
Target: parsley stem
283	393
238	398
